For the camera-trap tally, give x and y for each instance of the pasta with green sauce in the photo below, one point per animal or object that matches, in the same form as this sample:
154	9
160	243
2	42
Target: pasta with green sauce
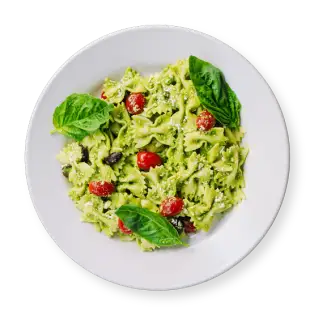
203	168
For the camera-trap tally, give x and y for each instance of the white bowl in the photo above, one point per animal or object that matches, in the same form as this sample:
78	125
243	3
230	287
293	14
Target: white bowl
148	49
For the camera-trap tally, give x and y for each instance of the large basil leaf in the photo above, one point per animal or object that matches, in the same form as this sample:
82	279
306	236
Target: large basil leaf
150	226
214	92
80	114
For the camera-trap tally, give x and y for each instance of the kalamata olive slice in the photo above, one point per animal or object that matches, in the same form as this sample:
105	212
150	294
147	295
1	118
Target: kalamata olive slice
85	154
113	158
177	224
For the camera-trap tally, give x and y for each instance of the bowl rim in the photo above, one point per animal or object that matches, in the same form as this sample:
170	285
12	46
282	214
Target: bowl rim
134	29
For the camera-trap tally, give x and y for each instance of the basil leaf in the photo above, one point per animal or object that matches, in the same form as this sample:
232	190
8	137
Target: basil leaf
79	115
150	226
214	92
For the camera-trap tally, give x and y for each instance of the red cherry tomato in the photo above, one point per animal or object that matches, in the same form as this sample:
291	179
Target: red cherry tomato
171	206
101	188
189	227
135	103
146	160
205	121
103	96
123	228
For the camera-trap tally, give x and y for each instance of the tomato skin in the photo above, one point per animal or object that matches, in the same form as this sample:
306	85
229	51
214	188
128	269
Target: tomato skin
135	103
147	160
171	206
123	228
189	227
205	121
103	96
101	188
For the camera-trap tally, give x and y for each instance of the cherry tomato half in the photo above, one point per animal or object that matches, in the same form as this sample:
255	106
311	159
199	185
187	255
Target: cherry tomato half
147	159
171	206
205	121
101	188
103	96
135	103
123	228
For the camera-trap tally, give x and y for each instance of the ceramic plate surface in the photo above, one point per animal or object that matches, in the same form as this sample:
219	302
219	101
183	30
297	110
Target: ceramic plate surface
149	49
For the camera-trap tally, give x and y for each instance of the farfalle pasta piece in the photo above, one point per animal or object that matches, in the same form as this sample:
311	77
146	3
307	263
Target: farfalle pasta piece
144	130
197	139
133	181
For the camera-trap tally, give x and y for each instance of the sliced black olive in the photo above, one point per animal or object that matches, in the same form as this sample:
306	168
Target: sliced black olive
177	224
66	170
113	158
184	218
85	154
187	224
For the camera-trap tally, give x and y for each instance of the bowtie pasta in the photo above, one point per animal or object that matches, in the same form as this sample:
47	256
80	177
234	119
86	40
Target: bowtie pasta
204	169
